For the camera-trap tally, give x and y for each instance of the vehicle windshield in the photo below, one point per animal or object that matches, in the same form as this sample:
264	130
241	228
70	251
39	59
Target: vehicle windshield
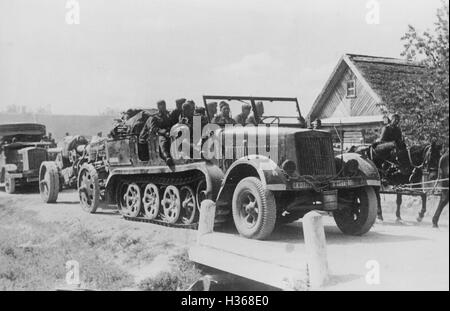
265	110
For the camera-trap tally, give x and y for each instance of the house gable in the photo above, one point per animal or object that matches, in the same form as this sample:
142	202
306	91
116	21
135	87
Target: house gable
333	100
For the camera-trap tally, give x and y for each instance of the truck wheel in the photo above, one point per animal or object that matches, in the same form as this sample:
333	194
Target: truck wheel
360	217
88	188
10	184
49	182
254	209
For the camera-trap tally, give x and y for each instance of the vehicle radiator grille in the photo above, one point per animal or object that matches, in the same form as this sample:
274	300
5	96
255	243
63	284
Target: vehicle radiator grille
315	155
36	157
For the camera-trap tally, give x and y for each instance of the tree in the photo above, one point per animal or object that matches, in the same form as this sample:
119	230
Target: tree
424	99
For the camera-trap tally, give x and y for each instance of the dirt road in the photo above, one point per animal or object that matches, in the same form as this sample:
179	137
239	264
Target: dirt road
408	255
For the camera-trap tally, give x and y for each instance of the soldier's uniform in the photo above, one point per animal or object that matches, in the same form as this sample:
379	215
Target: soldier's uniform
175	115
158	124
222	120
391	133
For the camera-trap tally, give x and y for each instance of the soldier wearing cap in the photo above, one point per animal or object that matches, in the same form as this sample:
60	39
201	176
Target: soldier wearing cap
392	131
242	117
224	116
176	113
255	118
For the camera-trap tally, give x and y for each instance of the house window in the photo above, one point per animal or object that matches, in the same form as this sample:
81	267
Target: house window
351	88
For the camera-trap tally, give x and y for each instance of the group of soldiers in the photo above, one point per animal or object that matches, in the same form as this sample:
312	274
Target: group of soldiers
143	124
161	123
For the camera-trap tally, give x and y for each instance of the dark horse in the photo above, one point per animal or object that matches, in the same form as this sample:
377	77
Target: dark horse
443	176
399	165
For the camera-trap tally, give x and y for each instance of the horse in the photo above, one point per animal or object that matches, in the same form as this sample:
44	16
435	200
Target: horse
443	176
399	165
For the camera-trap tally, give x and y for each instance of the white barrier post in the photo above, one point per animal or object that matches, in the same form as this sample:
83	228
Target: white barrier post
315	244
206	221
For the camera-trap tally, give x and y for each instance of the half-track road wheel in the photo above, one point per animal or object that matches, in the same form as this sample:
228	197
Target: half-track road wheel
171	204
130	201
254	209
88	188
188	205
151	201
200	193
49	185
10	184
359	217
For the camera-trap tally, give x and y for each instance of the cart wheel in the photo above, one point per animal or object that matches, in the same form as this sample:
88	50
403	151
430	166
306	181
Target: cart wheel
49	185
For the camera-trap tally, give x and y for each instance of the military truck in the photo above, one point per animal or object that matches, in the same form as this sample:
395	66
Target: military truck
267	174
23	147
62	171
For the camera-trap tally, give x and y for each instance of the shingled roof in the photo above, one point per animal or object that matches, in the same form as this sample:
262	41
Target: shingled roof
383	74
380	75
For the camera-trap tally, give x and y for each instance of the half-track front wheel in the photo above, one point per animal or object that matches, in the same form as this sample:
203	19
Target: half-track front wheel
49	185
361	213
88	188
254	209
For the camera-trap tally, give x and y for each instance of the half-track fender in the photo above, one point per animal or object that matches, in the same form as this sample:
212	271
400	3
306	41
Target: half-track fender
265	169
212	173
366	168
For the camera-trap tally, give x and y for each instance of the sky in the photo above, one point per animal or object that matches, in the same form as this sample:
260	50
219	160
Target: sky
131	53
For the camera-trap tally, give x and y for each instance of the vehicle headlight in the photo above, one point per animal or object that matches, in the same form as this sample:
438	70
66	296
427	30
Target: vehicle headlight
289	167
10	168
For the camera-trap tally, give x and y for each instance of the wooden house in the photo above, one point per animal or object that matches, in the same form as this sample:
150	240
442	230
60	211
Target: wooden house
353	101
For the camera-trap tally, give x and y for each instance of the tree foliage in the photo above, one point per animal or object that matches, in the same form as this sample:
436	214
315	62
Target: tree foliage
424	102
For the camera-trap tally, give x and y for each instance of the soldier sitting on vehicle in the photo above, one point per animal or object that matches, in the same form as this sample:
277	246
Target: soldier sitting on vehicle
224	116
159	124
212	109
242	117
256	118
176	113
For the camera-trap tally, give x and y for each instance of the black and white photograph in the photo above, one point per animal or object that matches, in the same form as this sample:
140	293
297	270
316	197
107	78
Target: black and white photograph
230	146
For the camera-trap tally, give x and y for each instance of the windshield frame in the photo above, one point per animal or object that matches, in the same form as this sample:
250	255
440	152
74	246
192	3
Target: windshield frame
252	100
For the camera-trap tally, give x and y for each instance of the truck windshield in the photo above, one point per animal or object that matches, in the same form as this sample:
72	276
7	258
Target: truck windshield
264	110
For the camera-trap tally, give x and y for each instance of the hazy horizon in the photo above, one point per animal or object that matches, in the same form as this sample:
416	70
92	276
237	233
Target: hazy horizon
131	53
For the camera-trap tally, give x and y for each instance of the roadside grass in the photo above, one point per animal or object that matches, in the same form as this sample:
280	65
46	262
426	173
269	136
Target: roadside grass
33	255
181	277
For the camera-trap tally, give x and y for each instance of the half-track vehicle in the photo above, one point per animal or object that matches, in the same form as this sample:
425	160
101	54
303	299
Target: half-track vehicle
62	171
23	147
267	174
